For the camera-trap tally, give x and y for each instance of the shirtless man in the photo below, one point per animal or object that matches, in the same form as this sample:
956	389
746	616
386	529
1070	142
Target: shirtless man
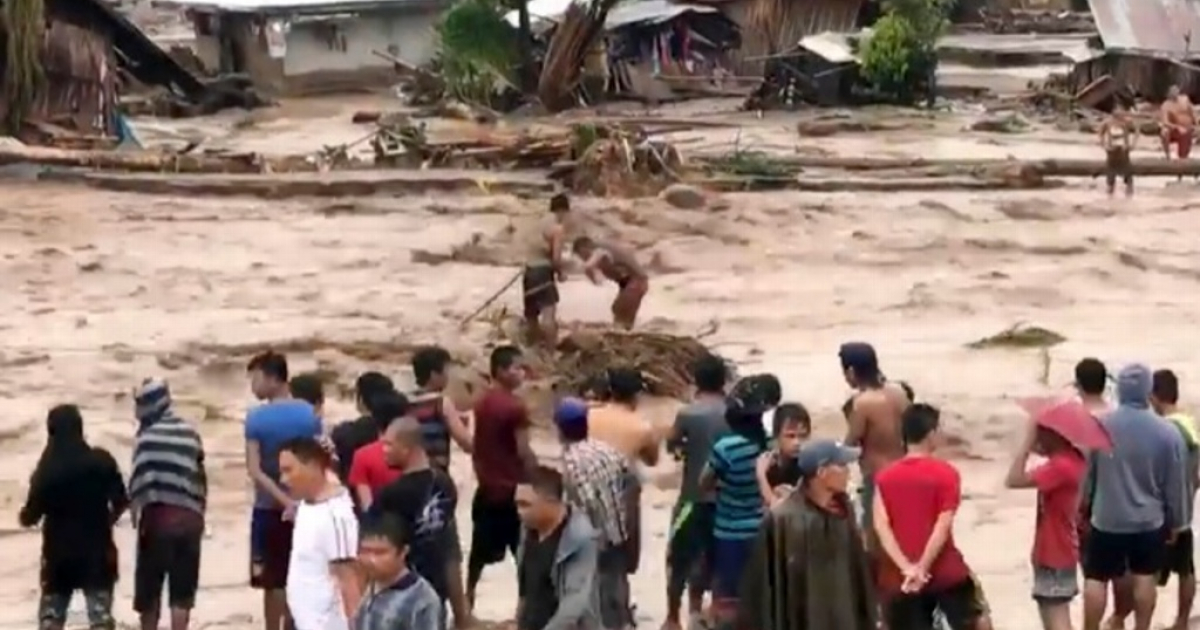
619	265
1118	136
543	271
874	419
1176	123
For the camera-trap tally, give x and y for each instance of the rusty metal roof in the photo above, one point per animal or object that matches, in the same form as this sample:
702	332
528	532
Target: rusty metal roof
1159	28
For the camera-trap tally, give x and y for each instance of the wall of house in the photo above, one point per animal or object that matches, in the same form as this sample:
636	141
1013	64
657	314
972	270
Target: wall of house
326	55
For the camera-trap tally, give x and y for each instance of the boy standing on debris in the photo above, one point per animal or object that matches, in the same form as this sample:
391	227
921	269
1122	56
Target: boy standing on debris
1118	136
544	269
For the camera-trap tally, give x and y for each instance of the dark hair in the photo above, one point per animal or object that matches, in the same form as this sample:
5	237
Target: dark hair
386	407
560	203
624	384
791	413
711	374
271	364
918	421
308	450
547	482
597	387
1166	387
503	357
308	387
369	385
908	391
760	389
582	242
385	527
745	419
1091	376
427	361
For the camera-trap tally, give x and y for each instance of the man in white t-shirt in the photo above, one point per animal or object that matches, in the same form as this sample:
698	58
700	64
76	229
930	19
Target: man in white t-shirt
323	587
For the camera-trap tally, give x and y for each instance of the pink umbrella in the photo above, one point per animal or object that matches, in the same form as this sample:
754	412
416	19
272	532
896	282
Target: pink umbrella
1070	419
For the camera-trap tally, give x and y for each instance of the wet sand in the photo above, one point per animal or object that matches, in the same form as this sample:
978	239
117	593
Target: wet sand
105	288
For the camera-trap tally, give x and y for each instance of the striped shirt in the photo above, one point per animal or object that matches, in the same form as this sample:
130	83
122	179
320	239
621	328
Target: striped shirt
428	408
596	476
168	467
739	507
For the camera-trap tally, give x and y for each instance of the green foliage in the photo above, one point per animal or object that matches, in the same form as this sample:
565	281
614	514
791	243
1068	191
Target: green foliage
478	50
24	77
901	54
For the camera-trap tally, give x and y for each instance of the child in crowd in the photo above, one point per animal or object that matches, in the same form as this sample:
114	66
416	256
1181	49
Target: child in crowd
1055	538
777	470
396	598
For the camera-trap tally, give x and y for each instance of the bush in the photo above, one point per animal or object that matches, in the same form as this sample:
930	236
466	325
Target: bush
478	51
901	55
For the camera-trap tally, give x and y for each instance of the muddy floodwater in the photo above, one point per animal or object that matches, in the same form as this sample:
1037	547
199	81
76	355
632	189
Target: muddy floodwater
102	289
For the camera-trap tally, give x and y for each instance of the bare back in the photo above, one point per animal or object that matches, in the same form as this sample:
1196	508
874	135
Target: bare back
618	263
1178	111
876	414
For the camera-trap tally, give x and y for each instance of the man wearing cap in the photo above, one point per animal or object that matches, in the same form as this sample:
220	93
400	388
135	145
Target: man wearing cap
808	551
596	480
874	419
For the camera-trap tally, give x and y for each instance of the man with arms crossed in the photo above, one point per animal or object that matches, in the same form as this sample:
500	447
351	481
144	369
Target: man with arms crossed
1137	501
268	426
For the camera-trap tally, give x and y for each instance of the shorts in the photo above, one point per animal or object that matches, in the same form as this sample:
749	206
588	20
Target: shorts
270	549
1054	586
540	288
729	563
52	609
1182	139
171	557
496	529
1118	165
690	550
1178	558
1109	556
866	500
960	605
612	573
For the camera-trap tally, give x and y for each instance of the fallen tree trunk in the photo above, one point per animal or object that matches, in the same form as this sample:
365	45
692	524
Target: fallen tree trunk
140	161
867	184
1145	167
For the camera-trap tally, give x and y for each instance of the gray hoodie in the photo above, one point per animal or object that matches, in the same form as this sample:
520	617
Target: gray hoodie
1140	486
574	575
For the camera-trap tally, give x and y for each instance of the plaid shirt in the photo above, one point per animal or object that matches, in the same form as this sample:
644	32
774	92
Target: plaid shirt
597	476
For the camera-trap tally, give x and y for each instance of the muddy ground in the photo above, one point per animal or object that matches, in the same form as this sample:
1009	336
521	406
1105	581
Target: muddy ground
105	288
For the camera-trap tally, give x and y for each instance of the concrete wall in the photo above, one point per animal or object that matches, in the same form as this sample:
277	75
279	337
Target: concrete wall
330	55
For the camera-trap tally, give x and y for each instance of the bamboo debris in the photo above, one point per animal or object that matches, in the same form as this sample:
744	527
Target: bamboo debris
1144	167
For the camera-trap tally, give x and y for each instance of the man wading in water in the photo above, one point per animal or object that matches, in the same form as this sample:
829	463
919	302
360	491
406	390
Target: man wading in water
1176	124
618	264
543	271
874	419
1118	136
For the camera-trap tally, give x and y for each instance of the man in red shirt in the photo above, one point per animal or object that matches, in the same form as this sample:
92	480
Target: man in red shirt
913	512
1056	534
370	472
502	462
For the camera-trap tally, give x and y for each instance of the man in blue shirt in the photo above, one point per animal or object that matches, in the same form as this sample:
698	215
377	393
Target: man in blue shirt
279	419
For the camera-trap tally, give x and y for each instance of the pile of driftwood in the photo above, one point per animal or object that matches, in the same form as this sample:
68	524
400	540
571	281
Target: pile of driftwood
410	142
1035	21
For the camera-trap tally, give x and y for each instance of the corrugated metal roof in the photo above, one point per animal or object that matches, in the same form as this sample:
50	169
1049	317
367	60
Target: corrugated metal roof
282	6
624	14
1161	28
830	46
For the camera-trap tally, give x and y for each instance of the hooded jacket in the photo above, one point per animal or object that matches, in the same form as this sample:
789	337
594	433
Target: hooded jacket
574	575
1141	485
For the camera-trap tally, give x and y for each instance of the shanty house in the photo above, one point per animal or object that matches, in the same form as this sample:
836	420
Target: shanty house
293	47
84	45
1147	46
772	27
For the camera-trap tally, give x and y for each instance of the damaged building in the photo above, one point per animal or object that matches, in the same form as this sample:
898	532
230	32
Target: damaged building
299	47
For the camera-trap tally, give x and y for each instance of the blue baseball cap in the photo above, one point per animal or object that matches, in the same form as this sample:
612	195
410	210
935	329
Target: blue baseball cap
818	454
570	412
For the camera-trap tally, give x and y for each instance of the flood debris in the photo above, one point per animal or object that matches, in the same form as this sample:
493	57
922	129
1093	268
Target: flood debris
1019	335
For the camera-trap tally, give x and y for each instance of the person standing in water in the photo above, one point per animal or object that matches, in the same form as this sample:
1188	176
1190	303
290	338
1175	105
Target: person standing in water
874	419
1118	136
620	265
544	270
1177	124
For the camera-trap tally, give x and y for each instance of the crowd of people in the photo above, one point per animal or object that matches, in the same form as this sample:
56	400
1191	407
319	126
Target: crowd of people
354	526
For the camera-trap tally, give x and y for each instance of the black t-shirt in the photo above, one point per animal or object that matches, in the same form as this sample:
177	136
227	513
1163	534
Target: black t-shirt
535	576
347	438
783	471
424	501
